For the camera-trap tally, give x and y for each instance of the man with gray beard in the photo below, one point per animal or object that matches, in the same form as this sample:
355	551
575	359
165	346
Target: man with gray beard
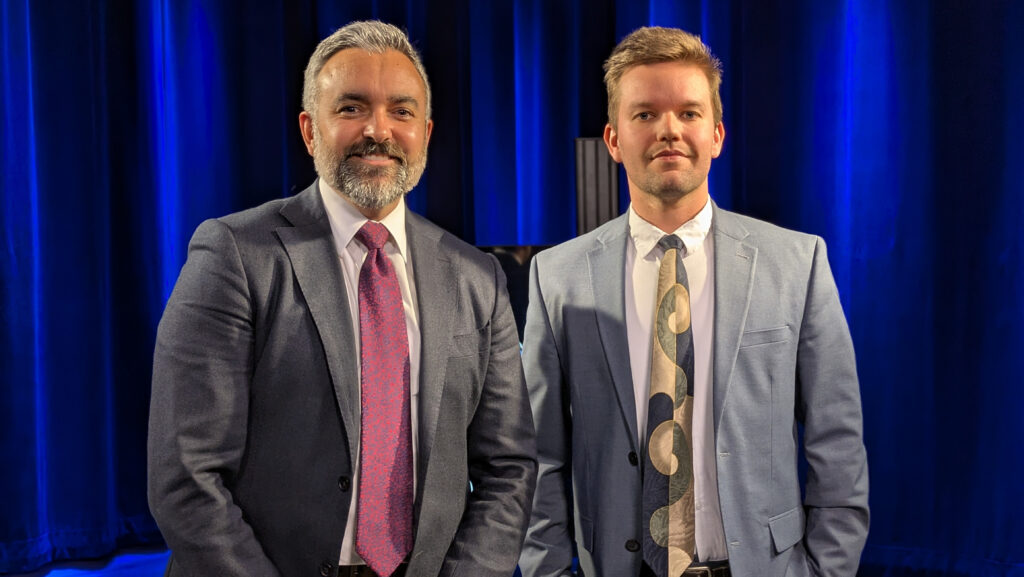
336	384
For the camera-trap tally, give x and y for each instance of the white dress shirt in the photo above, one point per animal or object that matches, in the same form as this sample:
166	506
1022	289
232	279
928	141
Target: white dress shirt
345	223
643	259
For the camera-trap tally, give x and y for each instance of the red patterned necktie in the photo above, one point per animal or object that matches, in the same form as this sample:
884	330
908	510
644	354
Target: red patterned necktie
384	518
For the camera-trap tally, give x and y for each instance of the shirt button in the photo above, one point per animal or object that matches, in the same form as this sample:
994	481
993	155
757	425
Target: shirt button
344	483
633	459
325	568
632	545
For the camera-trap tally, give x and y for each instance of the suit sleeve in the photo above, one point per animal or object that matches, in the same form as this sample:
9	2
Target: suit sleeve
502	457
836	498
548	548
199	412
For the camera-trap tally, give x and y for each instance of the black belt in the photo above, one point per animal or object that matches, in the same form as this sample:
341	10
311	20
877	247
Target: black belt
365	571
710	569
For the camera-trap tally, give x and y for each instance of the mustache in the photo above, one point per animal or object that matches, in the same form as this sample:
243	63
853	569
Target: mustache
684	151
369	147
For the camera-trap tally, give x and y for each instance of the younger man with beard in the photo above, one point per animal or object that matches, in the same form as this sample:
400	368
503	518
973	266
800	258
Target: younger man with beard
332	370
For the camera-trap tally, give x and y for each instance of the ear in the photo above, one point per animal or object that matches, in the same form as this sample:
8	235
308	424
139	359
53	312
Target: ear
716	144
306	128
430	130
611	140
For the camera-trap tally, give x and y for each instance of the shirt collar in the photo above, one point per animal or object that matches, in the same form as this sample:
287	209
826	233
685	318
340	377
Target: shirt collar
693	232
346	220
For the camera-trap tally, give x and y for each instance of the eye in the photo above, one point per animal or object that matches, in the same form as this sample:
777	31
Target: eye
644	116
404	113
348	109
690	115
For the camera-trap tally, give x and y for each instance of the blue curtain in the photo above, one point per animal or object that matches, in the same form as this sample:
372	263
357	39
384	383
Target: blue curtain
892	129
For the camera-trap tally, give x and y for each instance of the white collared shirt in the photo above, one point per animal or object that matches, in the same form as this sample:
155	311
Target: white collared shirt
345	223
643	259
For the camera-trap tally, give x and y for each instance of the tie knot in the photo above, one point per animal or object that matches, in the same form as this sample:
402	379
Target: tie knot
670	241
373	234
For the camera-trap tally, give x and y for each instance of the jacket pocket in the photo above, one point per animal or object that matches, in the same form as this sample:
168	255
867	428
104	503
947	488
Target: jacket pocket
787	529
765	336
470	344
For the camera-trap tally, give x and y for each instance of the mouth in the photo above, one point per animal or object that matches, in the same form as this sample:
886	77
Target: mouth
376	159
670	154
379	154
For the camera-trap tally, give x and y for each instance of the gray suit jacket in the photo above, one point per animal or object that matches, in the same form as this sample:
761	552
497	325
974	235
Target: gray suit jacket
254	415
782	356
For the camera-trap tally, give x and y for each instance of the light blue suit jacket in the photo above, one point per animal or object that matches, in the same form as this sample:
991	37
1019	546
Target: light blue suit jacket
782	357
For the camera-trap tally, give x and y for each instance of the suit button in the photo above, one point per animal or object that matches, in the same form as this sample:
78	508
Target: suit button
344	483
632	545
325	568
633	460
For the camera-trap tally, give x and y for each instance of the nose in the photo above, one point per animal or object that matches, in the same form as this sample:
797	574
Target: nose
670	128
378	127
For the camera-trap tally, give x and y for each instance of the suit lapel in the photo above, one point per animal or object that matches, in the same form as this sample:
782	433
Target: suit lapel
735	261
433	274
607	261
310	247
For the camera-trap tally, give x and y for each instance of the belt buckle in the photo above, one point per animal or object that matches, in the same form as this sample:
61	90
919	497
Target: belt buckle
698	571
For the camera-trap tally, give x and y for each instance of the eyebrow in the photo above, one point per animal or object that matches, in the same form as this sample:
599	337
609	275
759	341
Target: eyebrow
362	98
686	104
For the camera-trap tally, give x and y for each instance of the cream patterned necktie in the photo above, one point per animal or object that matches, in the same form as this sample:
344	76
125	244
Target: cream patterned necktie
669	540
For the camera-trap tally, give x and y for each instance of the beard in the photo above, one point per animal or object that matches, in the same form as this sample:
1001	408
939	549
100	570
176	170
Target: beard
372	187
672	187
669	190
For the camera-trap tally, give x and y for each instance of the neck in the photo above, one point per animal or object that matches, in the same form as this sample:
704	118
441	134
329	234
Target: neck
668	214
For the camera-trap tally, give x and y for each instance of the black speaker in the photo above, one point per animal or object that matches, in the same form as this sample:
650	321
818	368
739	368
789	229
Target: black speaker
597	185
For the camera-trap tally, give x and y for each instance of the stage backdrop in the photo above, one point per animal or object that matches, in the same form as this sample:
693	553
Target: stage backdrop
892	129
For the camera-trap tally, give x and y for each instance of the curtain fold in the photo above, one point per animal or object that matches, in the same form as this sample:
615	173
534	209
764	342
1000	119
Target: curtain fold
891	129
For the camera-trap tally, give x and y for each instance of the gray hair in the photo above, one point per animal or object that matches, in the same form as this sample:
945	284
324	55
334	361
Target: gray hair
370	35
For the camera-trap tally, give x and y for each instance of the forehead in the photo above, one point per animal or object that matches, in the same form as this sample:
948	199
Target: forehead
664	82
371	75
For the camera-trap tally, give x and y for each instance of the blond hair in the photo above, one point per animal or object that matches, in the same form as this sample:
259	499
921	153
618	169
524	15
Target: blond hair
651	45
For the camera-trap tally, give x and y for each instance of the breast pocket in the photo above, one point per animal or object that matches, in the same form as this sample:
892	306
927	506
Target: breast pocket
761	337
464	374
470	344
